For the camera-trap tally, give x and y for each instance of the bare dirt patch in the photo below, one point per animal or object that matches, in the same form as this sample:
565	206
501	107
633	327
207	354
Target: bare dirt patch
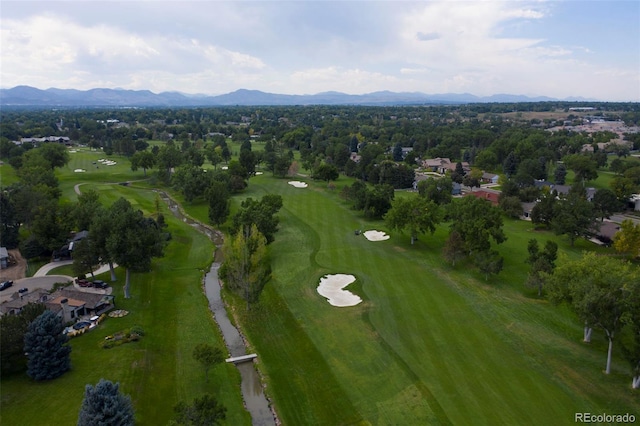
17	267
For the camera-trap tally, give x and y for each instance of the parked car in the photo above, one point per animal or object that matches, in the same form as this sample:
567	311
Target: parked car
84	283
23	290
5	285
100	284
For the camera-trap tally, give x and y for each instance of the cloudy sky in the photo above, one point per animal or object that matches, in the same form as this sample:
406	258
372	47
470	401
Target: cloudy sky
547	48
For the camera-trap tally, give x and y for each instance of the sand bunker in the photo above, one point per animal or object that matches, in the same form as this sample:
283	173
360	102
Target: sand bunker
375	235
331	287
79	170
258	173
297	184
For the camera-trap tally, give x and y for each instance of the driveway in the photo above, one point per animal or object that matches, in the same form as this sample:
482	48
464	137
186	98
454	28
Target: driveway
41	280
33	283
49	266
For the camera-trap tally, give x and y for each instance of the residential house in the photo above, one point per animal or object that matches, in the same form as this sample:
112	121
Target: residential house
65	252
443	165
489	178
490	195
527	208
4	258
35	141
68	303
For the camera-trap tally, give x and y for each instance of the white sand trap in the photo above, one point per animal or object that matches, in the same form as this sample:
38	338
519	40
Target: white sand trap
225	167
297	184
375	235
258	173
331	287
72	151
79	170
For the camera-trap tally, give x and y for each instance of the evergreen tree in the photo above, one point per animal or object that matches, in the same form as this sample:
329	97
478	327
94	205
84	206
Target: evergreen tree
12	331
104	405
397	152
218	197
48	355
9	223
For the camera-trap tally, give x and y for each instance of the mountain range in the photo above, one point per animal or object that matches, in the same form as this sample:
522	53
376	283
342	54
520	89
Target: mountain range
27	96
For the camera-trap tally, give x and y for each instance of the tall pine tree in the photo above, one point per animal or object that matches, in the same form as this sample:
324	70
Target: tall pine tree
105	405
48	355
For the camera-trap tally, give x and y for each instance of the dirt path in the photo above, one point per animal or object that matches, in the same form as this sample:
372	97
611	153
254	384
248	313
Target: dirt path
17	270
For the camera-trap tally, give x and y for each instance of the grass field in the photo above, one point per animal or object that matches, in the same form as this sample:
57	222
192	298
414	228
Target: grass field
431	344
158	371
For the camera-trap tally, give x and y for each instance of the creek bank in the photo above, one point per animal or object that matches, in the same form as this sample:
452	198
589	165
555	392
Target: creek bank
256	402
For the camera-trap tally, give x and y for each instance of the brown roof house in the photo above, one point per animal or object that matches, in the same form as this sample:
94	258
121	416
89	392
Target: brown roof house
68	303
442	165
490	195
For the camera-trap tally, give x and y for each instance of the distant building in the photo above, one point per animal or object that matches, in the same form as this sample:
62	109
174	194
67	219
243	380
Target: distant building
490	195
4	258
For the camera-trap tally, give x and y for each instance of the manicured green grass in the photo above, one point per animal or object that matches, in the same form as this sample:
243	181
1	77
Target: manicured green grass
430	343
158	371
7	175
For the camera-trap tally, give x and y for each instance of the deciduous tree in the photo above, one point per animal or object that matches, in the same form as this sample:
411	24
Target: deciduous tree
437	190
208	356
261	213
246	266
12	331
573	216
204	411
542	263
627	239
597	289
143	160
134	240
415	214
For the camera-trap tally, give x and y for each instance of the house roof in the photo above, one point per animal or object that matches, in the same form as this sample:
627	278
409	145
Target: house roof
528	207
80	235
608	229
490	195
71	302
435	162
90	300
36	296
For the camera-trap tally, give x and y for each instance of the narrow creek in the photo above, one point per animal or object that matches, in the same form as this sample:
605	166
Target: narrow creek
255	400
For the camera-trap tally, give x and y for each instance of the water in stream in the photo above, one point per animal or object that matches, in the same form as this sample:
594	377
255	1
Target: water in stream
252	392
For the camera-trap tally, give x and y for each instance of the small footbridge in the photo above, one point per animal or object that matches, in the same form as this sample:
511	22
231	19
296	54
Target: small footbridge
241	358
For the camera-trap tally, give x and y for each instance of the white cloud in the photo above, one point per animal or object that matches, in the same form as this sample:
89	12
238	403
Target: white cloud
482	47
107	55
